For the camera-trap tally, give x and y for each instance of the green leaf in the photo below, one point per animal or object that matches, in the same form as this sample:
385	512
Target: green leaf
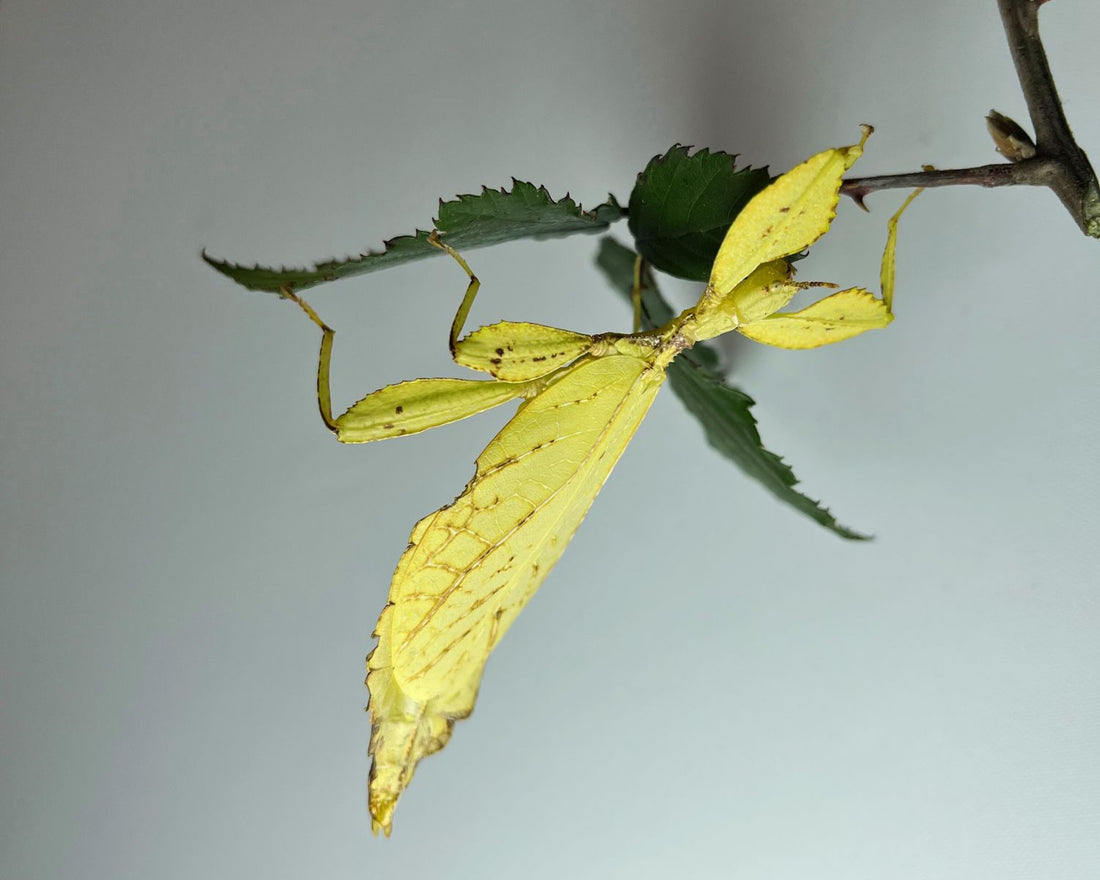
682	205
724	411
469	221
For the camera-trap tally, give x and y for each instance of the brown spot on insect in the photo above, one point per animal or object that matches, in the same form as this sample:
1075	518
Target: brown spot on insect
540	357
399	410
388	426
785	209
495	361
500	351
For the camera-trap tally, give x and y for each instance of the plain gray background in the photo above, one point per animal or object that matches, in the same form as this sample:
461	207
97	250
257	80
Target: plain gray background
708	685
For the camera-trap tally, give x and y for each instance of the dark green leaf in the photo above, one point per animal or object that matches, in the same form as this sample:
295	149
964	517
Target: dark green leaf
469	221
682	205
724	411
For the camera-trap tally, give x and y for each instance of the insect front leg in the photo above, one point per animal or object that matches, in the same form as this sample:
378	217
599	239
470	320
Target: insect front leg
886	273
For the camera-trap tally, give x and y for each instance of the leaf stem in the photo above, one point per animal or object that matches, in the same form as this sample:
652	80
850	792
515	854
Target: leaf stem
1059	163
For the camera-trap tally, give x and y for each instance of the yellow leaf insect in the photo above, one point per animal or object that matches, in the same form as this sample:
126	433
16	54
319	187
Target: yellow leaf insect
471	566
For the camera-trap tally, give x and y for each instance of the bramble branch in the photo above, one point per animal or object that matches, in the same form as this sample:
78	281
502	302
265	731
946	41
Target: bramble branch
1054	160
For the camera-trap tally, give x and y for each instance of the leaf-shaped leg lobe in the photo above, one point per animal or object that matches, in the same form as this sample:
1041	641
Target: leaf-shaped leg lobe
794	211
519	351
840	316
421	404
472	566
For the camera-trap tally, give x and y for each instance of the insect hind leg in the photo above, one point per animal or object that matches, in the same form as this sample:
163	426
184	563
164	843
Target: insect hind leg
324	360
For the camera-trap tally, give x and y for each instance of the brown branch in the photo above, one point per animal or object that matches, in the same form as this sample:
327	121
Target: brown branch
1031	172
1058	162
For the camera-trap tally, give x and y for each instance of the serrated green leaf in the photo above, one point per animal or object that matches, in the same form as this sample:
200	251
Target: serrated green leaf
722	410
402	249
683	203
468	221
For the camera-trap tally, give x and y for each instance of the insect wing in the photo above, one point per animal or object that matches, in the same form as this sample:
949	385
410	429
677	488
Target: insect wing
472	566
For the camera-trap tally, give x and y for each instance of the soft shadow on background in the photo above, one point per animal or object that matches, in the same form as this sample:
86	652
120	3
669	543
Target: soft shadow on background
708	684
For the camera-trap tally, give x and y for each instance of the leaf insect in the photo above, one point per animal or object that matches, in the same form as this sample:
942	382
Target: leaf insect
471	566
